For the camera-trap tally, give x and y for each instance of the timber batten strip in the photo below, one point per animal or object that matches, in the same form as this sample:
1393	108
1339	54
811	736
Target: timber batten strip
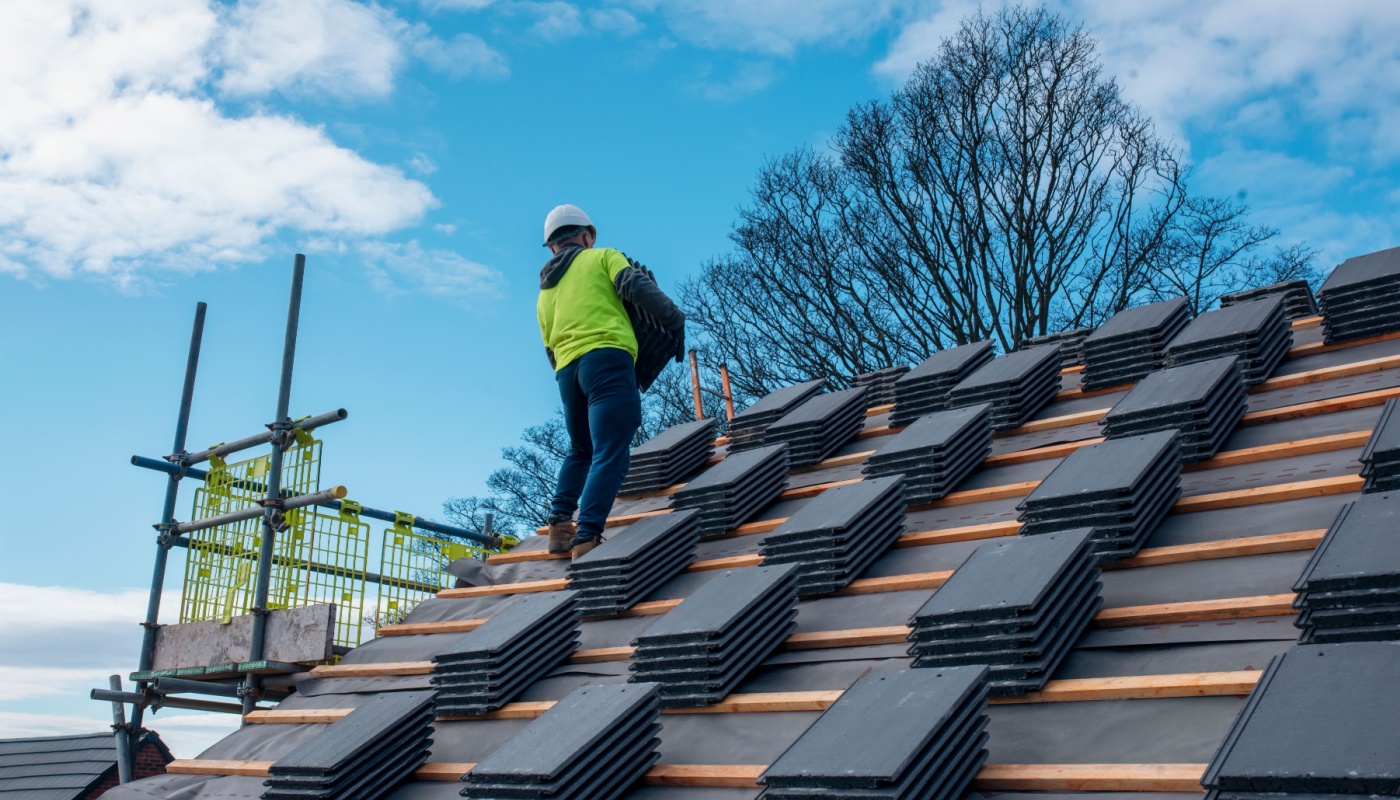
1317	407
1290	541
1129	687
1278	382
1227	458
993	777
1090	777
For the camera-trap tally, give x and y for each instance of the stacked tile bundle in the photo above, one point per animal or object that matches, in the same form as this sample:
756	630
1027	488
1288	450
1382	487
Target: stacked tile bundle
592	745
935	453
732	491
670	457
820	426
486	668
881	383
1203	402
1016	605
1319	725
1256	332
1361	297
1380	460
924	389
1122	488
747	427
1071	344
364	754
1297	298
836	536
1350	589
700	650
897	735
1132	343
625	568
1017	385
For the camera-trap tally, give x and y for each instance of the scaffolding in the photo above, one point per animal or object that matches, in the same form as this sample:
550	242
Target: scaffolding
414	568
262	535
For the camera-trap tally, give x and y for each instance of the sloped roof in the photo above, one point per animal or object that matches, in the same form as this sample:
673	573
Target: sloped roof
1230	551
59	767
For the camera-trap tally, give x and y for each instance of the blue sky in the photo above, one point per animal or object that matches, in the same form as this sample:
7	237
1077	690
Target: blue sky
158	152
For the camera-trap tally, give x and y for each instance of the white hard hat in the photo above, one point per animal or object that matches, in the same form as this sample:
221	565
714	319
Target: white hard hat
566	216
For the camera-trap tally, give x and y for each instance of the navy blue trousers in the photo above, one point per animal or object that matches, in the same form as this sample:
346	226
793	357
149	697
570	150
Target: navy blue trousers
602	410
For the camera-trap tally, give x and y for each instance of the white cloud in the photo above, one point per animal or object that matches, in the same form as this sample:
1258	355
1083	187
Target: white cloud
776	27
1250	63
555	21
457	5
464	56
113	162
336	47
58	642
186	735
745	79
399	268
615	20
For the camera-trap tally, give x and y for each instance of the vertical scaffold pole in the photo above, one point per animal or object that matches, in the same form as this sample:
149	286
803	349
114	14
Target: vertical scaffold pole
695	386
125	759
728	395
166	538
272	517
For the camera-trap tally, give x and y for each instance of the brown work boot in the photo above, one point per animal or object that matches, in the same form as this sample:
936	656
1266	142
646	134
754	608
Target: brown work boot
586	547
561	534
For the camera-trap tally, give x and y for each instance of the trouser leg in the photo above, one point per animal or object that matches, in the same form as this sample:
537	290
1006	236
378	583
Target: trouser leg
573	473
609	380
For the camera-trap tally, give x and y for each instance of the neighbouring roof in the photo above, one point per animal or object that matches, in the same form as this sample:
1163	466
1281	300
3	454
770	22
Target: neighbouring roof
1232	548
60	767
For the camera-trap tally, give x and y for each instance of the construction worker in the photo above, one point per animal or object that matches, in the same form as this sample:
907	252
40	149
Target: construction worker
591	345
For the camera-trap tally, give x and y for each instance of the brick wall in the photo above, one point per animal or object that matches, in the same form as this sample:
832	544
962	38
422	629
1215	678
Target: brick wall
149	761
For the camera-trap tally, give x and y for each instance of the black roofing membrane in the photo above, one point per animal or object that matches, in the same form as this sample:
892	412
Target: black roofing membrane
1179	730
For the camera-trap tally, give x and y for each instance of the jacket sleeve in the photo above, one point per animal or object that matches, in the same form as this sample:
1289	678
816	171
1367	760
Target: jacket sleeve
637	288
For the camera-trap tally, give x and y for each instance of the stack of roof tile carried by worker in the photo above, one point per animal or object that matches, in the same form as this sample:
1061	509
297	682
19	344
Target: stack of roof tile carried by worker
1297	298
1122	488
820	426
670	457
363	754
701	649
1350	589
1132	343
936	453
485	669
1203	402
897	735
624	569
1361	297
1017	385
1071	344
1016	605
924	389
1380	459
747	427
592	745
881	383
836	536
1256	332
732	491
1319	725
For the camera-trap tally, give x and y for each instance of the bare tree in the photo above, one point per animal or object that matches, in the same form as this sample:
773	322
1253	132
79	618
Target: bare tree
1007	190
519	494
1213	249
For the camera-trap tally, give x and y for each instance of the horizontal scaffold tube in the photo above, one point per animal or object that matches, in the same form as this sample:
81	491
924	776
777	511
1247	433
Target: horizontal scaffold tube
188	703
373	513
300	501
310	423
